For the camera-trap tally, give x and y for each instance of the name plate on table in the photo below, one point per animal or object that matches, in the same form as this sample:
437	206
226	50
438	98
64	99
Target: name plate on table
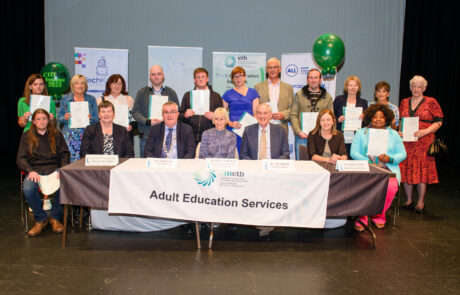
162	163
278	165
101	160
352	165
221	164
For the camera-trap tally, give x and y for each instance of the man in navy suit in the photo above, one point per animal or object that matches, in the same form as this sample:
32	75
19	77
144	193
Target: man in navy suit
264	140
170	138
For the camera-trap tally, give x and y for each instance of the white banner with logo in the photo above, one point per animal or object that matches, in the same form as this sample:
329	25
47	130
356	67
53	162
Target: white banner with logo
178	65
224	62
98	64
248	195
295	67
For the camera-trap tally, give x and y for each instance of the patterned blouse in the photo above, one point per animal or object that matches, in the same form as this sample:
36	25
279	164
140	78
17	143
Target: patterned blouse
218	144
108	144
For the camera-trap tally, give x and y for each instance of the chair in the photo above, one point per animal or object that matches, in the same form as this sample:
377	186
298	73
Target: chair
304	155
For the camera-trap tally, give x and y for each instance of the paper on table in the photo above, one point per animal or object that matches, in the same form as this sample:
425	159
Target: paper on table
352	121
79	114
155	106
121	115
308	121
409	125
378	142
274	107
199	101
245	120
39	102
49	183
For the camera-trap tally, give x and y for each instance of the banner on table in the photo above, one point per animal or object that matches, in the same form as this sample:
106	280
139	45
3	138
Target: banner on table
224	62
295	67
247	195
178	65
98	64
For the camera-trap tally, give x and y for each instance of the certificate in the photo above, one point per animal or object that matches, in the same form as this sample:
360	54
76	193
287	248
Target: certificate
409	125
378	142
199	101
39	102
274	107
352	121
156	105
245	120
79	114
49	183
308	121
121	115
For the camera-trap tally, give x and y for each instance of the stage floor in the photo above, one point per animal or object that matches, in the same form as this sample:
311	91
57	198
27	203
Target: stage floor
418	256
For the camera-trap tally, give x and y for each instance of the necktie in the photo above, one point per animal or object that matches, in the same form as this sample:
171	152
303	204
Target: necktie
263	146
168	143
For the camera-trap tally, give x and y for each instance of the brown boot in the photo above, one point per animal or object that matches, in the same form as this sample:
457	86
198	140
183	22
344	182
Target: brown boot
56	225
37	228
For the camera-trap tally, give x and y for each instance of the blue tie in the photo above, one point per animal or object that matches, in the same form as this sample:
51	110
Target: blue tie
168	142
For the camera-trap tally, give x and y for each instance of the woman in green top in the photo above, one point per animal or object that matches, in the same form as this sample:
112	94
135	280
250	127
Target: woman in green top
35	84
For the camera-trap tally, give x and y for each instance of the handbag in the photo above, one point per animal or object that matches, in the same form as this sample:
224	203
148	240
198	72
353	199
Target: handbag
437	148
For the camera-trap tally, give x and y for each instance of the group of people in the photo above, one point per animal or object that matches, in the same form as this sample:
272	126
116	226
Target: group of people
183	134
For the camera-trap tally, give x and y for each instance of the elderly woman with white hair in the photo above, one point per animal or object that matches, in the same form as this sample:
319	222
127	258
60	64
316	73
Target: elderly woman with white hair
419	169
73	136
218	142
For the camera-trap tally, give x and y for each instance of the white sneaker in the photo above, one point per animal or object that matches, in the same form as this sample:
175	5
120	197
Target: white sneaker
47	205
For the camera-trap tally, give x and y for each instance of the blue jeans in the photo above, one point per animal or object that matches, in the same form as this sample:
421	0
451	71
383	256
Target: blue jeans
30	190
299	141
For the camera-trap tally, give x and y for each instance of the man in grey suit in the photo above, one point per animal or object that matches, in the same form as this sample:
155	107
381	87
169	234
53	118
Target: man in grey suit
277	94
264	140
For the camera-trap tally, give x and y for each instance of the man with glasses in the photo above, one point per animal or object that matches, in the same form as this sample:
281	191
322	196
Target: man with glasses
141	111
170	138
277	94
199	123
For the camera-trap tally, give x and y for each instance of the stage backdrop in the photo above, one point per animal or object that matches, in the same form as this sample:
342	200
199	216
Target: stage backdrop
178	65
97	64
295	67
224	62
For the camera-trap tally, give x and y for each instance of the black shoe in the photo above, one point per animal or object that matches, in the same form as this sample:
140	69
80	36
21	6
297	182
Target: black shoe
418	210
408	206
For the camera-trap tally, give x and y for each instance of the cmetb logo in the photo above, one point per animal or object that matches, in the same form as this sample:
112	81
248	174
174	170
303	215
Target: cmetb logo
291	70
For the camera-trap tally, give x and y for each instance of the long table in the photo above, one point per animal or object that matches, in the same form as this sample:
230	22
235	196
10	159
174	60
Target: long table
350	193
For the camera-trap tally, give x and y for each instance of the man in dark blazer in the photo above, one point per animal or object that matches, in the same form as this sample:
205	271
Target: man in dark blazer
93	138
276	141
170	138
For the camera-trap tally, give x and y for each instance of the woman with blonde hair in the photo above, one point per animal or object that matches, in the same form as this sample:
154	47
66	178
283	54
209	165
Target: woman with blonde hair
73	136
218	142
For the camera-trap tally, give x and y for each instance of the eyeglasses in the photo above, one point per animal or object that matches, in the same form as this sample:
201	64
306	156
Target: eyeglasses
170	113
272	68
238	76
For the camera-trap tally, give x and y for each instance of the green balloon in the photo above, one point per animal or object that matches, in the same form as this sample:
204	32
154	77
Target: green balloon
57	79
328	51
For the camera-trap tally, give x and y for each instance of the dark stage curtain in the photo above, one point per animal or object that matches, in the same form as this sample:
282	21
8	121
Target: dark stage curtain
23	30
431	49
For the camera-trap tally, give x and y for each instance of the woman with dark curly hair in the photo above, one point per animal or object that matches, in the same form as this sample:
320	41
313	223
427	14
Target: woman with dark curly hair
380	117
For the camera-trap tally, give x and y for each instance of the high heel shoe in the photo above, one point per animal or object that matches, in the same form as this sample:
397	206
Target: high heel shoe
418	210
408	206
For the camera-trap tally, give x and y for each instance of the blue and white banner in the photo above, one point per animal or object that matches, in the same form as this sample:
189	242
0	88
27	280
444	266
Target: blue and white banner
178	65
224	62
98	64
246	195
295	67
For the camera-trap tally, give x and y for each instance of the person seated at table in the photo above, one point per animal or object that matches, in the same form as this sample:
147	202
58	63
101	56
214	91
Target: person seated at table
170	138
264	140
106	137
326	142
218	142
380	117
42	150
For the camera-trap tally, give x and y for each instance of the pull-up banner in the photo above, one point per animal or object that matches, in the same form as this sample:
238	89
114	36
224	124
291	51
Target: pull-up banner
98	64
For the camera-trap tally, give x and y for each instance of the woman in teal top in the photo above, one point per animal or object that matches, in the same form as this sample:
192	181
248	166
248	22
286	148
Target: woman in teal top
35	84
379	116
